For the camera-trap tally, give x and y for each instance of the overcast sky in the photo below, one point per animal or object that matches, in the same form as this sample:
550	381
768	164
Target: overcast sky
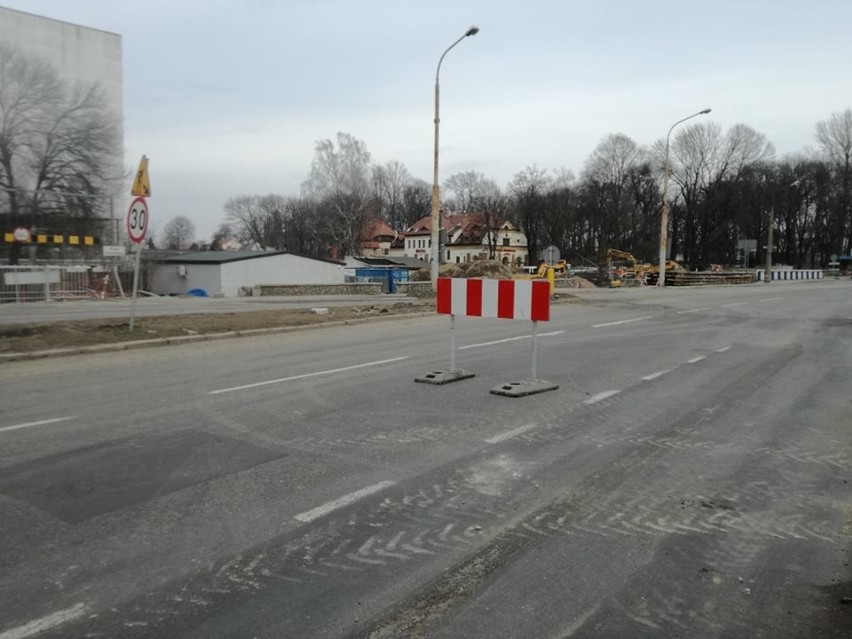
227	97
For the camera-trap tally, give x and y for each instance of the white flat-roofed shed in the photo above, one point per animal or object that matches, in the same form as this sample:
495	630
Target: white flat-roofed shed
226	272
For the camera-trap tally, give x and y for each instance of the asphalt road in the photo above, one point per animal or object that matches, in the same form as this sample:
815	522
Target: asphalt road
689	478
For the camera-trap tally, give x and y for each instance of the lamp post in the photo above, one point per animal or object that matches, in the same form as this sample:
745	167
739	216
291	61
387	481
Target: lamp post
767	275
769	239
436	196
664	216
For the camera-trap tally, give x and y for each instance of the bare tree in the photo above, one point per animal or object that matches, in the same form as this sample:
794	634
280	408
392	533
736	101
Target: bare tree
563	178
607	188
258	220
340	182
529	188
221	236
59	147
416	202
466	187
705	164
835	138
389	182
494	206
178	233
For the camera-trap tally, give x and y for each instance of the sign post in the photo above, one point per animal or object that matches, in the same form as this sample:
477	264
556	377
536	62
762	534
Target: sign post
137	223
137	227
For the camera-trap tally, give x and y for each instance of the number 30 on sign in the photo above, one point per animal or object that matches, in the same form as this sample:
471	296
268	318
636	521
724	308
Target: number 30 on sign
137	220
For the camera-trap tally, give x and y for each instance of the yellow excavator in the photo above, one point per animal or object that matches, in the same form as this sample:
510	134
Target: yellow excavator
641	271
636	269
547	272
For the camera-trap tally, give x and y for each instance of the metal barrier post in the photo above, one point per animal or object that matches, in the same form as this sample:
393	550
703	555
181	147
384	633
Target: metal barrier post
135	285
118	280
535	349
452	342
46	285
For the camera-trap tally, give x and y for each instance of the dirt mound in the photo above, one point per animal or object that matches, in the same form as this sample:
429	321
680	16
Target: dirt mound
480	268
420	275
490	269
451	270
580	282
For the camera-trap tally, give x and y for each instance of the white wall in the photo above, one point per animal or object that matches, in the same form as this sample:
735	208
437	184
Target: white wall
165	279
279	269
79	54
229	277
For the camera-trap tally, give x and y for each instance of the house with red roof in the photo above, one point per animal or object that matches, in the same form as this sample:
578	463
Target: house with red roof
470	237
377	239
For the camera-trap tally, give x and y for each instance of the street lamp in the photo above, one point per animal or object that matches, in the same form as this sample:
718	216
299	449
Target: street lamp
767	275
436	199
664	217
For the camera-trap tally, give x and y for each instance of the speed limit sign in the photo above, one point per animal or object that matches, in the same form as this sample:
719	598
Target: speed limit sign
137	220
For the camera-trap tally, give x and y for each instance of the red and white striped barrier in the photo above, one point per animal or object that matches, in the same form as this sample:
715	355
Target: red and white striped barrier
505	299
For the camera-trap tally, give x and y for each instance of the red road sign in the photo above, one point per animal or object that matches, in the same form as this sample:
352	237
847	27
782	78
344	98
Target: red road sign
137	220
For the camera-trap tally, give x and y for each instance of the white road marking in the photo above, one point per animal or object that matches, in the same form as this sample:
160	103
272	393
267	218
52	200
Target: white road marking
307	375
694	310
45	623
696	359
43	422
509	434
733	304
648	378
770	299
498	341
579	622
508	339
340	502
627	321
722	350
594	399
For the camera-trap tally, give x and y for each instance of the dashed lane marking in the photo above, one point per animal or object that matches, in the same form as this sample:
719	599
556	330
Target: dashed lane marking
351	498
770	299
648	378
695	360
627	321
722	350
307	375
45	623
594	399
733	304
694	310
43	422
508	339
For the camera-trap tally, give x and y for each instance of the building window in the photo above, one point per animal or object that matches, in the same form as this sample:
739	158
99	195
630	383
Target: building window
505	241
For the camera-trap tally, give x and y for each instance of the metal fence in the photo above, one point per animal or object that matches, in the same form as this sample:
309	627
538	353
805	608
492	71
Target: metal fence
45	283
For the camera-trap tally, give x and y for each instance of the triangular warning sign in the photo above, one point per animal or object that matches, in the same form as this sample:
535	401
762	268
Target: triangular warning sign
142	185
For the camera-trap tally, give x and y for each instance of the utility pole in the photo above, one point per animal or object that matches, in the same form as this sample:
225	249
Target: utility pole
768	274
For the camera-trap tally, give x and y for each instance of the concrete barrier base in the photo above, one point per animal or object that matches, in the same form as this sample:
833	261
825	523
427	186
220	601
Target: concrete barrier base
524	387
444	377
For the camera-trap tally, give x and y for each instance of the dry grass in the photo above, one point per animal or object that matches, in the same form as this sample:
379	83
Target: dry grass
36	337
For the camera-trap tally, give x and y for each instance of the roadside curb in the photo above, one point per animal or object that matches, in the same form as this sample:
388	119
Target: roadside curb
190	339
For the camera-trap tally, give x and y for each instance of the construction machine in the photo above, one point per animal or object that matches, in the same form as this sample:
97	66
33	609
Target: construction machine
653	272
544	272
635	270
